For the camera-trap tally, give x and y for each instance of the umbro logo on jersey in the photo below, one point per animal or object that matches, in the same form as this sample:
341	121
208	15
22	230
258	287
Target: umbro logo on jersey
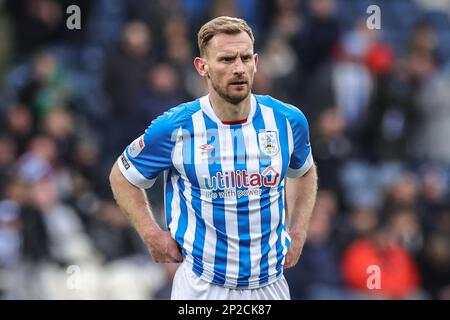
206	147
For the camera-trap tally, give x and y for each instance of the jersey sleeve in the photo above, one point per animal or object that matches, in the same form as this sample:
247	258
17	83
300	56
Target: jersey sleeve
301	157
151	153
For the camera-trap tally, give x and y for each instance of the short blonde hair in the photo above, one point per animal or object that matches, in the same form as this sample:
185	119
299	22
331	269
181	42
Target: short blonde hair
224	24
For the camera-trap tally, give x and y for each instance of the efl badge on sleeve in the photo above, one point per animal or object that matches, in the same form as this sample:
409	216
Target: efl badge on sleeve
268	142
136	147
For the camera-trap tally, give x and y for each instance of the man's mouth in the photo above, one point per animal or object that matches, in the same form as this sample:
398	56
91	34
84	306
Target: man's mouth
238	83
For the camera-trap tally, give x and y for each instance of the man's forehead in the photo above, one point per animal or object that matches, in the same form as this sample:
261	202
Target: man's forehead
227	43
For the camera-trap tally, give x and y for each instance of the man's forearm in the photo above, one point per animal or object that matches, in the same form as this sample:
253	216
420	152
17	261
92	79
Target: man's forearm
134	204
301	196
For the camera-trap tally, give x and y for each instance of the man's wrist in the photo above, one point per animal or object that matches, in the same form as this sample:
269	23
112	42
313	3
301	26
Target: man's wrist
151	233
297	234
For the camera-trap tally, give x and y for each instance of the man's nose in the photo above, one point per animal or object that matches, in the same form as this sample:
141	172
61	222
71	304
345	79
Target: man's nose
239	66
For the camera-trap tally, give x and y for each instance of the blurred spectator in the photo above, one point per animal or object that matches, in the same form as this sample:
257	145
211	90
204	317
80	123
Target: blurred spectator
402	192
331	147
435	265
125	71
404	224
178	47
8	154
10	239
399	274
68	241
358	223
352	81
423	39
39	161
33	236
112	234
438	5
21	126
392	115
162	93
434	186
434	113
36	23
48	88
319	36
59	125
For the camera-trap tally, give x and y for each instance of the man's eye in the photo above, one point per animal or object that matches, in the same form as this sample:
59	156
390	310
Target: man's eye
227	59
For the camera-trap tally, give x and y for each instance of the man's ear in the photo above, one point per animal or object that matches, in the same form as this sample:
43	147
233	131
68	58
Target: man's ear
256	61
201	66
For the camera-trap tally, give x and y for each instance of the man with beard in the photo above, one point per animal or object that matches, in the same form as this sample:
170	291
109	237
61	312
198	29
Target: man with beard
233	163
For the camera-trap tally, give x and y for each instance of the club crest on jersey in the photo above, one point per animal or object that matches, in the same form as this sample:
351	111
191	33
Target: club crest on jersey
268	142
136	147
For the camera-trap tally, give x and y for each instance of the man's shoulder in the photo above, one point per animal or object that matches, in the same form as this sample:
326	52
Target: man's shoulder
289	111
178	115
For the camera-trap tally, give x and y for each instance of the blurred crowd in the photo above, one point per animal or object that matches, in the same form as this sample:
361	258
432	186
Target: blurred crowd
377	101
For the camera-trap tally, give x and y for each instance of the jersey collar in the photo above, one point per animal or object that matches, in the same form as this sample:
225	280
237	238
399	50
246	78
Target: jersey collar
205	104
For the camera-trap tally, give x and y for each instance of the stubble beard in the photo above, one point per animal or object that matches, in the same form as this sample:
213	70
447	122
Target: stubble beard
229	98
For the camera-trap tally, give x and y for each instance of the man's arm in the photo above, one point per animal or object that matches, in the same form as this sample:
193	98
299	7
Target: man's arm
133	202
300	197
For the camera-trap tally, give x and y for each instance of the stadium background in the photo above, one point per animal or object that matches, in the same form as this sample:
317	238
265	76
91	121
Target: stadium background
378	104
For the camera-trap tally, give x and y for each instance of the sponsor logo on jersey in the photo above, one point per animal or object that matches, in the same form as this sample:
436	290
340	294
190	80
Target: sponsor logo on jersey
241	178
136	147
124	161
268	142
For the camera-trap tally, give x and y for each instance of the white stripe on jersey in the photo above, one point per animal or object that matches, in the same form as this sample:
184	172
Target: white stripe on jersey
231	216
202	171
284	234
132	174
277	163
189	235
254	209
290	138
175	205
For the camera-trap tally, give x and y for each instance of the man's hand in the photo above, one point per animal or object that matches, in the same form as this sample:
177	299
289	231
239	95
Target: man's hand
163	248
293	254
300	199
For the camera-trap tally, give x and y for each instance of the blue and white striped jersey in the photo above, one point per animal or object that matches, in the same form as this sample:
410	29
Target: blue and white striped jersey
224	185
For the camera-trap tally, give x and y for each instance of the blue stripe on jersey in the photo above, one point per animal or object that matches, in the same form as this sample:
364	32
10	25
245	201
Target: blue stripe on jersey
200	229
168	197
264	161
281	124
183	220
283	136
214	165
280	228
242	210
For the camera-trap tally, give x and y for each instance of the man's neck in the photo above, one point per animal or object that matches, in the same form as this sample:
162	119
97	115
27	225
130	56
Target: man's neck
229	112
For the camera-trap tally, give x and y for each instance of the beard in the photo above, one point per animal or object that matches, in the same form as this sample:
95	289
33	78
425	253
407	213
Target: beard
235	97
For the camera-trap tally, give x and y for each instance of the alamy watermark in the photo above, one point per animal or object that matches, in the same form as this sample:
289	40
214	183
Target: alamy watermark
374	20
73	22
374	280
74	279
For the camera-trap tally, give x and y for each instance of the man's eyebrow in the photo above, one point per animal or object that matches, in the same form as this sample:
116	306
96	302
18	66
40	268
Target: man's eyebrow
233	53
